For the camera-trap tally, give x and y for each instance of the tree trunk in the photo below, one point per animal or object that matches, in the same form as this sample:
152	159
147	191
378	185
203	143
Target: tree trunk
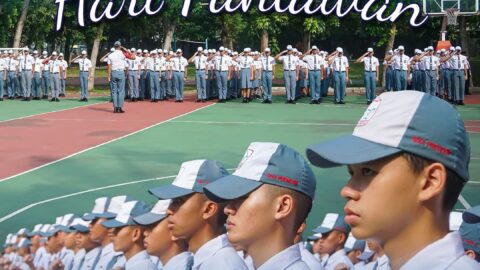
20	24
264	40
307	39
391	41
94	54
169	30
463	34
66	48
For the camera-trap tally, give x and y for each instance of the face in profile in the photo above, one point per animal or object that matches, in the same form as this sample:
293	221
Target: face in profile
185	215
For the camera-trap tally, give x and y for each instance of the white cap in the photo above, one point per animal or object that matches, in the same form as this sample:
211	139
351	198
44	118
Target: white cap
44	52
249	49
205	52
171	53
235	53
314	47
228	50
442	50
289	47
133	50
61	54
84	52
390	51
425	50
112	49
153	52
179	50
295	50
221	49
299	53
199	49
54	53
139	51
417	51
145	51
396	50
430	48
370	50
10	51
340	50
245	50
35	52
267	49
160	51
458	48
401	48
452	48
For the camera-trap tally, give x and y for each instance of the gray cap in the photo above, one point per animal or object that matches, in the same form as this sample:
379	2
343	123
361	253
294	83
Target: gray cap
117	44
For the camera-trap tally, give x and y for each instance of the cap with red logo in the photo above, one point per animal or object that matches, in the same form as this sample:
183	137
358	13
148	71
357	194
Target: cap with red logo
265	163
191	178
404	121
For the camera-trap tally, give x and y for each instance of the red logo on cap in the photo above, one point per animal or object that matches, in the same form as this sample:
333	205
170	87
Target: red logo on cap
432	145
282	179
202	182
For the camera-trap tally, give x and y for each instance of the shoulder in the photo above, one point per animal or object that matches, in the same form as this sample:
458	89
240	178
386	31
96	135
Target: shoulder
464	263
226	258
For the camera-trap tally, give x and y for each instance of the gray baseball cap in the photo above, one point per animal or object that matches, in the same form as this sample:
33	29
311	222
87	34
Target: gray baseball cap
265	163
129	211
191	178
401	122
472	215
158	213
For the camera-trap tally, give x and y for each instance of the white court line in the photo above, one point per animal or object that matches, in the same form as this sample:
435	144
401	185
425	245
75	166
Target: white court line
33	115
263	123
102	144
23	209
473	182
464	202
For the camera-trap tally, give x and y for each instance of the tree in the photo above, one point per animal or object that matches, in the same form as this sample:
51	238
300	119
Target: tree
94	54
20	24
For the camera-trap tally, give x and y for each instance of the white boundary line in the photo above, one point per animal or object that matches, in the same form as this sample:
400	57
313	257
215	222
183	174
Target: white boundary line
464	202
263	123
33	115
104	143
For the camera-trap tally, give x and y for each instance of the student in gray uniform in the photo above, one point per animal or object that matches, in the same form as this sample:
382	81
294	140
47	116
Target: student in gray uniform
198	220
290	72
45	75
247	68
26	64
180	73
56	72
85	68
340	67
470	232
3	74
173	253
134	69
370	74
425	155
12	74
37	76
63	78
268	198
128	236
200	62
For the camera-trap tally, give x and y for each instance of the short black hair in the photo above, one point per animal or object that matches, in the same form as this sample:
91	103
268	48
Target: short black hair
453	185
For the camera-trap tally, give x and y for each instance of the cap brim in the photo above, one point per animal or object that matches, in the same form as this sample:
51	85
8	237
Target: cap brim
80	228
229	188
92	216
113	223
313	238
365	255
347	150
149	218
322	230
170	192
470	217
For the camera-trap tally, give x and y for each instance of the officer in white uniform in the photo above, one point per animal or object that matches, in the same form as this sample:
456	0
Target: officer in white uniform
432	75
56	72
223	73
134	76
26	65
116	76
370	74
460	68
340	68
401	65
63	78
200	61
316	70
179	67
290	72
12	73
85	68
37	76
268	74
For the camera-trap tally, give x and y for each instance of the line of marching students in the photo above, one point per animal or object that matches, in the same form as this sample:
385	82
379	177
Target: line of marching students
399	197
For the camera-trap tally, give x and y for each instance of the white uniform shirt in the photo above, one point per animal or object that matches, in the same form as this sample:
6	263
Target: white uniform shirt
340	63
222	62
339	257
180	261
308	258
289	62
431	62
133	65
12	64
150	63
458	62
55	65
400	62
64	65
117	60
371	63
211	64
289	258
200	61
90	259
268	63
217	254
314	61
142	261
77	259
37	64
106	257
3	64
84	64
444	254
383	263
44	261
179	63
26	62
163	63
245	61
66	256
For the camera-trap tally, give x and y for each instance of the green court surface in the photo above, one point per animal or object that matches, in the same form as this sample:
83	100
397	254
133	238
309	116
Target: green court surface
14	109
222	132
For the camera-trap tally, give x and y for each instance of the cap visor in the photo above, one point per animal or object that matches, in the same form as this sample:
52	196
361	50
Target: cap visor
113	223
313	238
149	218
169	192
365	255
229	188
80	228
322	230
469	217
92	216
347	150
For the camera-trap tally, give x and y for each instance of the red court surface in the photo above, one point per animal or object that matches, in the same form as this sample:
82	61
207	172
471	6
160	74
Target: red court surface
35	141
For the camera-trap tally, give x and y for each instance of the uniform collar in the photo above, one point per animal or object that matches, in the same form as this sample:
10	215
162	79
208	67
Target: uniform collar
141	256
209	249
337	256
383	260
92	253
438	255
178	260
283	259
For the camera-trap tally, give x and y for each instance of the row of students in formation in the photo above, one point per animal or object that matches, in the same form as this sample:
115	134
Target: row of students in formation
400	194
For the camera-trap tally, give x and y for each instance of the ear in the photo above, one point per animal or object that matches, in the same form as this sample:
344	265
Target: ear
470	253
284	206
301	228
209	209
137	234
341	237
433	181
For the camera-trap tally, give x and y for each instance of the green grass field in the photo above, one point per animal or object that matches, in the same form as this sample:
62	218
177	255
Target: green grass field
152	157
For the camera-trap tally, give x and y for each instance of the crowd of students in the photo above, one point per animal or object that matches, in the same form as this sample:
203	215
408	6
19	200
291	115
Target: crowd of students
405	177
